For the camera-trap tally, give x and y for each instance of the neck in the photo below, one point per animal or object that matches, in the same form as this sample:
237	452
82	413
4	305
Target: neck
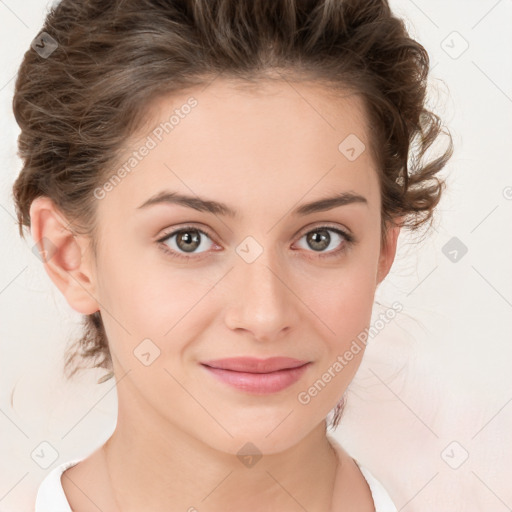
152	464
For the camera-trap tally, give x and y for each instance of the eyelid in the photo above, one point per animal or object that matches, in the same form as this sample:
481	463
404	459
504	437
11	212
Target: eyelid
175	230
326	225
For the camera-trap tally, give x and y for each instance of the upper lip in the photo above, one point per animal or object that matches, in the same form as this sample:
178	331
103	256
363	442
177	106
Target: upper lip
254	365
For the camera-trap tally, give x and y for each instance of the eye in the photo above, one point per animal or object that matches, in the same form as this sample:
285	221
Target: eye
187	239
320	239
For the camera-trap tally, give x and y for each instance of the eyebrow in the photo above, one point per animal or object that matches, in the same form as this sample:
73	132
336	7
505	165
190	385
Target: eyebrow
218	208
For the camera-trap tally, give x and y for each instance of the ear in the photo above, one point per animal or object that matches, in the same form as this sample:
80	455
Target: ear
388	250
63	255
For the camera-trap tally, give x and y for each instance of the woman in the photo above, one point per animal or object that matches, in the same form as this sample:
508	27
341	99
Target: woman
219	186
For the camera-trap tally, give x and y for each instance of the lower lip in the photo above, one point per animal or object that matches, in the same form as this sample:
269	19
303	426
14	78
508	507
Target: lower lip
259	383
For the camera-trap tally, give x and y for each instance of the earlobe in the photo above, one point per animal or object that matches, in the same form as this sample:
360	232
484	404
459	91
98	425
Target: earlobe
388	251
62	254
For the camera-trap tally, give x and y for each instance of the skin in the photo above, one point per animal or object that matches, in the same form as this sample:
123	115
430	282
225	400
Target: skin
262	152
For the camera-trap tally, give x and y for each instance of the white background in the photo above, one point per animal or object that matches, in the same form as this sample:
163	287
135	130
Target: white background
435	385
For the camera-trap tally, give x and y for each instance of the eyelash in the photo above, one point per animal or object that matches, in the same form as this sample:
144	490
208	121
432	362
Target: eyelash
349	239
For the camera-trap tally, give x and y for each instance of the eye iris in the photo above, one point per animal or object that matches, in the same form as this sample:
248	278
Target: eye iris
319	239
188	239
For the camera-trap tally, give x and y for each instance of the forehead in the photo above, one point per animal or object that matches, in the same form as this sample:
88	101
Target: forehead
246	144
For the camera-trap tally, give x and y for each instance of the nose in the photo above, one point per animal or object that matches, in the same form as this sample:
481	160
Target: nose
262	301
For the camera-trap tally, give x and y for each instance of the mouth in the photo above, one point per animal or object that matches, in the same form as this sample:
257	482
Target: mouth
255	365
257	376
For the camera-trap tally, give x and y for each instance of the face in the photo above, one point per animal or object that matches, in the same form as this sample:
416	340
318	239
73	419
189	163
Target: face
180	283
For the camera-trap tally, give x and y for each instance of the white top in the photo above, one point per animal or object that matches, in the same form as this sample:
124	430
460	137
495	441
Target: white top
51	497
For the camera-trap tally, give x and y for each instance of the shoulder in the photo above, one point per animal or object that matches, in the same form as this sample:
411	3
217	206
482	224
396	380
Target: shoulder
50	494
355	479
381	498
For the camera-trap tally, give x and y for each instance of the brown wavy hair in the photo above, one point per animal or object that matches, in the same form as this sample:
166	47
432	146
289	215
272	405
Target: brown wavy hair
77	106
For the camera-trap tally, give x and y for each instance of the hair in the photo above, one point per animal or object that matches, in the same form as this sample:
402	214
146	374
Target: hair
77	106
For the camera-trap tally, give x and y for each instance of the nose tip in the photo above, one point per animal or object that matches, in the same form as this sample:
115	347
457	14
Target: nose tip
262	304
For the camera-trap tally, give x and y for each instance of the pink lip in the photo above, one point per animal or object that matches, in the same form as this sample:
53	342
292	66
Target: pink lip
258	376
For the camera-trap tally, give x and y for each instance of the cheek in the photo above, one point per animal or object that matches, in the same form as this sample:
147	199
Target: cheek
345	306
344	301
150	302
